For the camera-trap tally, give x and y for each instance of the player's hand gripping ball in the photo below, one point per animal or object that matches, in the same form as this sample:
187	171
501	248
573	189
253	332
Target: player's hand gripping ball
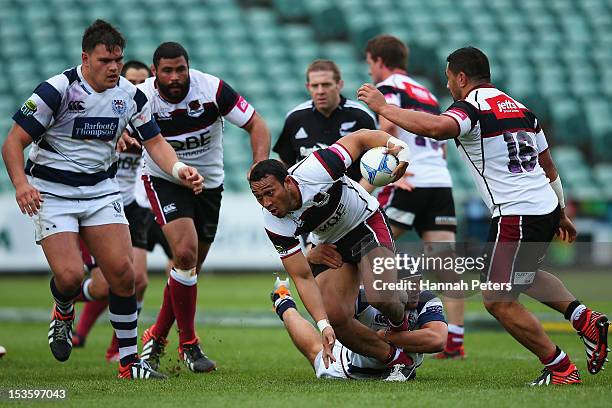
377	166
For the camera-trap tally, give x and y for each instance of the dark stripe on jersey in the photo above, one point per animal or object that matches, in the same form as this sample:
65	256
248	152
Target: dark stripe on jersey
30	124
466	108
492	126
281	242
362	302
49	95
332	163
482	155
408	102
226	98
316	215
141	99
72	75
148	130
67	177
43	144
181	123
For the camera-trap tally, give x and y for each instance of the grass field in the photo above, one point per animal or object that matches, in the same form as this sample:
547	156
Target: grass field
258	366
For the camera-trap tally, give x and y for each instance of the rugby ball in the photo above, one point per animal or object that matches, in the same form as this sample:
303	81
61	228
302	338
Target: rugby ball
376	166
2	351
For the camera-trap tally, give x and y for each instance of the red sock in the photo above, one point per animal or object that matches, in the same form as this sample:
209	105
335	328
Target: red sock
184	304
114	345
90	313
165	318
557	361
454	340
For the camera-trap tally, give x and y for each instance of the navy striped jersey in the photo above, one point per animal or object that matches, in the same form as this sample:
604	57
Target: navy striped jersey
194	126
75	130
501	139
332	203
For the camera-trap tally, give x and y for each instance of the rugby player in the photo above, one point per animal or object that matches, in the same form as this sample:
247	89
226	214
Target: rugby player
423	198
507	152
69	187
190	107
315	196
427	335
142	233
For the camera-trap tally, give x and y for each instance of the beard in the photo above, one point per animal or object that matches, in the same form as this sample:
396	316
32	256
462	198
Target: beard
175	92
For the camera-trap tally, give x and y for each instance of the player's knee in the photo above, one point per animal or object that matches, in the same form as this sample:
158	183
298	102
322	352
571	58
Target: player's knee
69	280
122	278
185	256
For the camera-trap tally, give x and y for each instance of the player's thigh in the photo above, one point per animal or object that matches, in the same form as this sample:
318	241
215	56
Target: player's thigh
339	289
64	257
401	208
207	210
437	211
111	245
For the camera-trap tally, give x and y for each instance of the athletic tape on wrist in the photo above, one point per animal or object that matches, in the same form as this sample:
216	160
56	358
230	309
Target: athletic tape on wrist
404	154
323	324
558	189
176	168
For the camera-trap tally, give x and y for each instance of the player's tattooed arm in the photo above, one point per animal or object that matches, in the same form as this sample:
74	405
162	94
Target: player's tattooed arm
28	198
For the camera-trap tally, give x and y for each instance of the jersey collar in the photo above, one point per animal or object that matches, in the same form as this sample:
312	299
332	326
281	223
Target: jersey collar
485	85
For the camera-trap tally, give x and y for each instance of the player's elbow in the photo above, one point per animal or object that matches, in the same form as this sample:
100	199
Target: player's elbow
438	343
436	339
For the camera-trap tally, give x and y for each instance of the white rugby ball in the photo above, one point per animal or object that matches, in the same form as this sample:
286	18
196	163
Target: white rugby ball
376	166
2	351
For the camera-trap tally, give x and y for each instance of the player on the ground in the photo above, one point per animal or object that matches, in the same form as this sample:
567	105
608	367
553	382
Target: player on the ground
190	107
508	155
427	334
69	187
423	198
315	196
325	118
141	224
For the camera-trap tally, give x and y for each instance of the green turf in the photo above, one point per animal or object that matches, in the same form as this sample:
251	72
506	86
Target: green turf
259	366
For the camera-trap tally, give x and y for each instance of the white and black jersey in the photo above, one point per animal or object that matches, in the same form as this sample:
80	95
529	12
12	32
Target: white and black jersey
331	203
194	126
75	130
427	161
128	172
501	139
306	130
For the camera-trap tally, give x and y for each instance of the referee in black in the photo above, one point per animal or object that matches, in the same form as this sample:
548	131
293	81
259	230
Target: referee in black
321	121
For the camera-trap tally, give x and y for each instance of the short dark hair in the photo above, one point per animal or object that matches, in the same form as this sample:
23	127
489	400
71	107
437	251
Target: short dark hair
269	167
472	62
133	64
101	32
169	50
324	65
392	51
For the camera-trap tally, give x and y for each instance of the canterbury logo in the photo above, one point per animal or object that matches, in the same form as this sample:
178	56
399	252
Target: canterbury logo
76	106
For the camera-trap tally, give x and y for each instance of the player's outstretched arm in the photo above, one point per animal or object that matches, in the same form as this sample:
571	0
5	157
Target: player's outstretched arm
28	198
425	124
297	267
431	338
165	157
260	138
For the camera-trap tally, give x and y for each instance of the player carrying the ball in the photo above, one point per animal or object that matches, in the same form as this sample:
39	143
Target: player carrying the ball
315	195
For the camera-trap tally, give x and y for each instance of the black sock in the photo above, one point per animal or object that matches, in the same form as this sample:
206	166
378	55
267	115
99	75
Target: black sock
570	309
64	303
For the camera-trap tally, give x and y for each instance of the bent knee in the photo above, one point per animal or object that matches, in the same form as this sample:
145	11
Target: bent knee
69	280
185	256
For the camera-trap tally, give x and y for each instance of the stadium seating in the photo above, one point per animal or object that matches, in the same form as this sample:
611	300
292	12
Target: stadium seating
556	56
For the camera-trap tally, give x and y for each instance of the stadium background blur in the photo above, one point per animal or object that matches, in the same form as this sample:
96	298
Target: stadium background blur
553	55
